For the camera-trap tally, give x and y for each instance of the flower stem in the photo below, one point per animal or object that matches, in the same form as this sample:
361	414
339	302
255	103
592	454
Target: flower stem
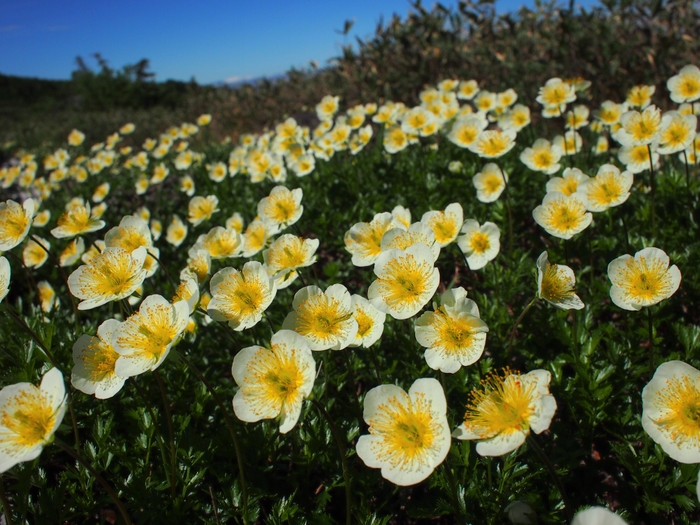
687	182
650	323
453	488
108	488
343	460
653	192
555	477
506	190
61	271
171	434
301	277
269	322
232	431
353	384
515	326
26	270
33	335
6	510
165	270
73	420
154	421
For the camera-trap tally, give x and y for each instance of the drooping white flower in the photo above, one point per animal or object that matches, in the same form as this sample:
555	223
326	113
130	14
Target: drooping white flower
503	411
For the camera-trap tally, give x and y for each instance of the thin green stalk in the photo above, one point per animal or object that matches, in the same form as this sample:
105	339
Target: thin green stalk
353	384
301	277
555	477
453	489
515	326
154	421
213	506
75	426
510	216
6	510
165	270
687	182
27	272
61	271
32	334
373	358
650	323
232	431
171	433
653	192
627	235
463	256
108	488
269	322
343	460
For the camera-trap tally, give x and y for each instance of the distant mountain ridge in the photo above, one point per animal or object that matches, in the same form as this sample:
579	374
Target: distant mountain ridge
236	81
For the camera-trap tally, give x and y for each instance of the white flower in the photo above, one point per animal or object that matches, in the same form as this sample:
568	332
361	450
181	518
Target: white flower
490	182
274	382
563	216
542	156
15	221
113	274
408	432
503	411
685	86
281	208
406	281
609	188
5	273
556	284
453	334
94	360
445	224
568	183
29	416
370	322
597	516
146	337
325	319
480	244
642	280
241	297
400	238
364	239
670	404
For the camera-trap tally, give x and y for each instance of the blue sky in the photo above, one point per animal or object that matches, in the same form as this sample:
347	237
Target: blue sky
210	40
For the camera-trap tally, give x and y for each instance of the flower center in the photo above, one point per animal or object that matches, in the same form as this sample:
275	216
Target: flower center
479	242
